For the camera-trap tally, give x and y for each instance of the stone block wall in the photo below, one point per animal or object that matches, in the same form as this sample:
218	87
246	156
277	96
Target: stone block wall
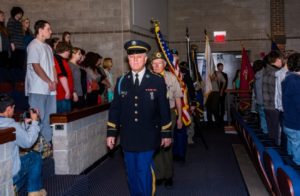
292	30
78	144
95	25
245	22
6	182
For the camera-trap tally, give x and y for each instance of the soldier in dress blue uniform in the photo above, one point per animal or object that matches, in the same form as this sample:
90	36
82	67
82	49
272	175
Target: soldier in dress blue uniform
140	112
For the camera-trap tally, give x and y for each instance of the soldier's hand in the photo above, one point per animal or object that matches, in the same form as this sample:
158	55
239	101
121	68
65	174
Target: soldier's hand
110	142
165	142
179	123
192	109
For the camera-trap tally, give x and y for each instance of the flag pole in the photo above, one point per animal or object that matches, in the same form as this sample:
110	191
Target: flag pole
187	37
194	50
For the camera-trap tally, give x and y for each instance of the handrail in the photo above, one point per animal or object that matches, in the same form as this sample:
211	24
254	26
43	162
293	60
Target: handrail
7	135
237	91
77	114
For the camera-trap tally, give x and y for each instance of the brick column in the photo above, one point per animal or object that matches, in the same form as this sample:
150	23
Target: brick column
277	23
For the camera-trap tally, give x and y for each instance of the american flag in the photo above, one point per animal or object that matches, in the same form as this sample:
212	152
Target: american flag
174	68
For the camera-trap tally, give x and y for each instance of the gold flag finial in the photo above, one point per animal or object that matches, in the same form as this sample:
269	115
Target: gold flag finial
154	22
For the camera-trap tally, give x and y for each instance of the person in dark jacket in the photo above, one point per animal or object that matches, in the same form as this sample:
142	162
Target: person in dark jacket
4	42
16	37
220	67
291	107
140	112
181	134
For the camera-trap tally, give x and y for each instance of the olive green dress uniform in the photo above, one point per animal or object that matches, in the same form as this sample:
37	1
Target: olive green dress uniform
163	159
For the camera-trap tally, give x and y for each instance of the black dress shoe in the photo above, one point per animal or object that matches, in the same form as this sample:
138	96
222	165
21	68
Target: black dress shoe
159	182
169	183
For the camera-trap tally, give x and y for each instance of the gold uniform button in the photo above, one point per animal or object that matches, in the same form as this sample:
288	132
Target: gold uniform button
135	104
136	120
136	112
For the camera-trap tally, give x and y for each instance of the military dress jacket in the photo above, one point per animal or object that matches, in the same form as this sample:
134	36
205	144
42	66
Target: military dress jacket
141	115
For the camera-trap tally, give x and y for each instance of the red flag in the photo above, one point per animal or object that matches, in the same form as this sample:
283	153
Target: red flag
246	78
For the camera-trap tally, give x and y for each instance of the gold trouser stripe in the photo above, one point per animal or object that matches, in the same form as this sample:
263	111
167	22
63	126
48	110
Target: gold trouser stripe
153	182
166	126
111	124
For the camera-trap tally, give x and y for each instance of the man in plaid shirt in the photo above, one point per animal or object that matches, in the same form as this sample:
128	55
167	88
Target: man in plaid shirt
272	115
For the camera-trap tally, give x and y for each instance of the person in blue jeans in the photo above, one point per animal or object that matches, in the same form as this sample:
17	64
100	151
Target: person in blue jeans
27	164
258	66
291	106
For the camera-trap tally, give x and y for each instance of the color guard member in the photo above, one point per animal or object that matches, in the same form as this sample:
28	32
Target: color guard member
163	159
140	112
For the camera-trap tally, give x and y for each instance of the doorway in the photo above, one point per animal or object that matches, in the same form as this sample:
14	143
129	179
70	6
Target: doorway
231	61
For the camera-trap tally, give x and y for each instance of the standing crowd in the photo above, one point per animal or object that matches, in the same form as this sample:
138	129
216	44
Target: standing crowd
57	76
277	99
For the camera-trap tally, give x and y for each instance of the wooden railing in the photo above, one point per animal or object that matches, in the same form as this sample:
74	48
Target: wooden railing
77	114
233	98
7	135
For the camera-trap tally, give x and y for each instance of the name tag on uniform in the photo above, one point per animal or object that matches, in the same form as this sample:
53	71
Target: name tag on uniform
151	89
